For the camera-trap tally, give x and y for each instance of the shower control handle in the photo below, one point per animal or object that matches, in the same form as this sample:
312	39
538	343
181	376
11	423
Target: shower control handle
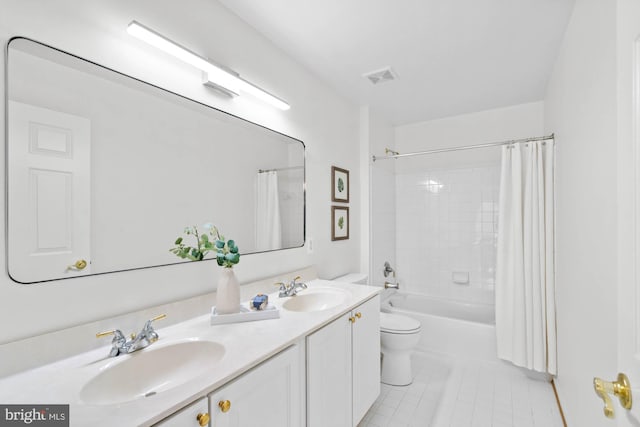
388	269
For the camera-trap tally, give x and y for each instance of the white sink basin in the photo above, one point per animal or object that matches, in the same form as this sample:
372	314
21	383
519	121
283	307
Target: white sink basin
150	371
316	299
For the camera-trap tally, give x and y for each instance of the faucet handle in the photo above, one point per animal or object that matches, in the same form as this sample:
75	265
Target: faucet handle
116	332
118	342
148	330
282	285
295	283
159	317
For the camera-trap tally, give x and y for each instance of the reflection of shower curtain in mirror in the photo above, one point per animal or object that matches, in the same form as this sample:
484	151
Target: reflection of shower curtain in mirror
268	222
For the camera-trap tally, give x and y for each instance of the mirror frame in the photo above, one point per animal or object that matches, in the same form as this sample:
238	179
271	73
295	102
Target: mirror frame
167	91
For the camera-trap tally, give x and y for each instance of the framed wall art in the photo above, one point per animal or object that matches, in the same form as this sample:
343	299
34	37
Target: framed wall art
339	222
339	185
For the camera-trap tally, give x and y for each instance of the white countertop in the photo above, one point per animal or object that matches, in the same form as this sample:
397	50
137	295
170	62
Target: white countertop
246	345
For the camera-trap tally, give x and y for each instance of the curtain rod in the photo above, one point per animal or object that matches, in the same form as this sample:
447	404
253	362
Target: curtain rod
280	169
466	147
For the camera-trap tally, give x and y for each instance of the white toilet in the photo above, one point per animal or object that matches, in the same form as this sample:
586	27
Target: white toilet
398	336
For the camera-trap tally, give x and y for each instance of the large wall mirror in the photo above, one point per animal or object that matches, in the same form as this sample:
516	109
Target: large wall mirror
107	169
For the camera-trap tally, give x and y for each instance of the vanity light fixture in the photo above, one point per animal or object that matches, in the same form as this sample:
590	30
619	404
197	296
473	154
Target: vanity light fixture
230	82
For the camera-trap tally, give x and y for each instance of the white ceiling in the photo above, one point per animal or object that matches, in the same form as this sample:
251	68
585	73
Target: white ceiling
451	56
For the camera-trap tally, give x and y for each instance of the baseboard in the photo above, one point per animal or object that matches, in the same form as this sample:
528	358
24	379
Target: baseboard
555	391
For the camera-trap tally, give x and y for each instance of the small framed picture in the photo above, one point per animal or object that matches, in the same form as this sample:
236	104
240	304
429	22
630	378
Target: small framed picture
339	223
339	185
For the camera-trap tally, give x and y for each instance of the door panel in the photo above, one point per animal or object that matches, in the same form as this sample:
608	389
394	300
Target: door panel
50	197
329	391
270	395
366	357
628	313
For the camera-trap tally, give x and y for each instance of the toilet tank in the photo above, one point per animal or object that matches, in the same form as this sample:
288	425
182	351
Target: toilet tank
358	278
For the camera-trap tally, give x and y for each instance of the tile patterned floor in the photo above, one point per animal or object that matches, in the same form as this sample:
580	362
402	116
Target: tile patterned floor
449	392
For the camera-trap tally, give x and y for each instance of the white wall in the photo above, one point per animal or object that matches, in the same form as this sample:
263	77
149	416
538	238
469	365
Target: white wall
381	202
580	107
327	124
446	204
518	121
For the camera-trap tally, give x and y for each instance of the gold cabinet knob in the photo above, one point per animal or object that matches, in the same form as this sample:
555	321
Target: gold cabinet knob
224	405
352	319
203	419
79	265
358	315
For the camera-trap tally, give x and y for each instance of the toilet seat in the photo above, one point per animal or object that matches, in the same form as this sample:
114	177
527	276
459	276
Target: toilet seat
392	323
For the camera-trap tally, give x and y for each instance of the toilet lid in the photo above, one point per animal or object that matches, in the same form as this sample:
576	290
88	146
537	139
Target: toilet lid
398	324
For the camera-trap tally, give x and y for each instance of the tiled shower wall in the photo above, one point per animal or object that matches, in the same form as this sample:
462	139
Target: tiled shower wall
446	231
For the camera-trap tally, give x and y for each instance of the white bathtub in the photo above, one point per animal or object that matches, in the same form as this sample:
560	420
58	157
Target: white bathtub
450	327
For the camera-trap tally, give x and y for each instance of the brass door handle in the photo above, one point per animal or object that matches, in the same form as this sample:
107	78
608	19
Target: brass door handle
620	388
78	266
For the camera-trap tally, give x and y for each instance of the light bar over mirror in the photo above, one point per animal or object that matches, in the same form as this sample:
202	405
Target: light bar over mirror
228	81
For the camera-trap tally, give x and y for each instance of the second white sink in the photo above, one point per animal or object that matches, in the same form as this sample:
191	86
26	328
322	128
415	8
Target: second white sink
316	299
150	371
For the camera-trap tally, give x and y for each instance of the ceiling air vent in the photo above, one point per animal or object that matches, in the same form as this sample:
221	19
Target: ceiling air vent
381	76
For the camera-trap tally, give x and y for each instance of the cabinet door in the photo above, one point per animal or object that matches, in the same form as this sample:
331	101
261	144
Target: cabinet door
270	395
329	375
188	416
366	357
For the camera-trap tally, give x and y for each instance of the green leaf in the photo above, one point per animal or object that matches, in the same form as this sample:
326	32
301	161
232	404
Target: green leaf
219	244
178	241
233	250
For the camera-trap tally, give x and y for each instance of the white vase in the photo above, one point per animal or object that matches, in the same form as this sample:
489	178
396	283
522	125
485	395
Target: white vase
228	294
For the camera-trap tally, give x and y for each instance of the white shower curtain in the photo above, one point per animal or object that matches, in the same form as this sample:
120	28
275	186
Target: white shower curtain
525	287
268	223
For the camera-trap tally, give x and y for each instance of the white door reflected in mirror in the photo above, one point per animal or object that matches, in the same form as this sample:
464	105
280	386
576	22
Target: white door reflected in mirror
50	204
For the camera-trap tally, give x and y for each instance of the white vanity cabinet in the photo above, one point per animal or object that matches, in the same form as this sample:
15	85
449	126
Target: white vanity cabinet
343	367
196	415
269	395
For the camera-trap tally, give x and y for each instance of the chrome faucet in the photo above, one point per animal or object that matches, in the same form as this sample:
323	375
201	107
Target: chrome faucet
120	345
291	289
